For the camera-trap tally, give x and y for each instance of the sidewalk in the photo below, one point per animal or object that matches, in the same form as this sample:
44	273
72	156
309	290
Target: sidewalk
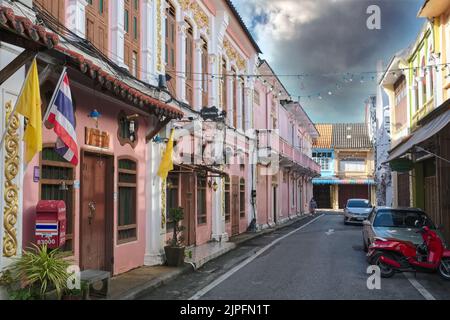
138	282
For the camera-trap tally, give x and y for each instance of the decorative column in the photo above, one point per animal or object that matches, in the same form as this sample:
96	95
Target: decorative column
147	46
229	81
76	16
240	104
198	83
154	222
117	31
181	60
213	82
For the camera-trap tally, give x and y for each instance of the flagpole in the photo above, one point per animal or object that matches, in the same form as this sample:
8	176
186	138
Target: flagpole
8	123
52	100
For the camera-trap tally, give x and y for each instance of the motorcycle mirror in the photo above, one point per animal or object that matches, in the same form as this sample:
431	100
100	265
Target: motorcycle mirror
417	223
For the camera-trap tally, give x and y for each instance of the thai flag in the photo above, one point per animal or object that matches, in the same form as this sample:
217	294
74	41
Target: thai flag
62	118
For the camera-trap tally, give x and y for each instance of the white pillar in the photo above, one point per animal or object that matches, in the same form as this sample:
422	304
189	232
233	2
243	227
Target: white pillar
240	104
218	214
117	32
181	60
198	74
153	228
76	17
229	81
213	85
148	43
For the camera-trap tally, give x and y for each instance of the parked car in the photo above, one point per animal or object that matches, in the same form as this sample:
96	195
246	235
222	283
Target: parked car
357	210
396	223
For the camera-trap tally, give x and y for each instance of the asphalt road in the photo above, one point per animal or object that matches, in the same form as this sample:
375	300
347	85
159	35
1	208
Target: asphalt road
312	259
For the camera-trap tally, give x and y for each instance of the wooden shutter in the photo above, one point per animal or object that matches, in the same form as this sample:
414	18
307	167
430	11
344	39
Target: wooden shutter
97	24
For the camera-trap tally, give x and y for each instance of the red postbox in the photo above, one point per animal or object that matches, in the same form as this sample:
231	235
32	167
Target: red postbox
51	223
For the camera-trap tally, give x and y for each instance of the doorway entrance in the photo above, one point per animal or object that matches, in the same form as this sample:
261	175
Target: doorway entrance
96	212
274	204
188	203
235	217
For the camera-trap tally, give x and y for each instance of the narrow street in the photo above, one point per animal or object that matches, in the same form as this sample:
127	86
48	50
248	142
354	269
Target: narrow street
323	259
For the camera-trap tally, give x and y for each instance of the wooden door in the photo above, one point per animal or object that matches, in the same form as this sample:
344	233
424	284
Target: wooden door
235	206
188	203
95	234
431	197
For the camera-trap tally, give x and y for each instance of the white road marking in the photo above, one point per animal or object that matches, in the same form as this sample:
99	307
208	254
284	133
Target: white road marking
225	276
329	232
424	292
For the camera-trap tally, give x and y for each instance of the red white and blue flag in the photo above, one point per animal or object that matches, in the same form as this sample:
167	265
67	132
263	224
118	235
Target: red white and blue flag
62	118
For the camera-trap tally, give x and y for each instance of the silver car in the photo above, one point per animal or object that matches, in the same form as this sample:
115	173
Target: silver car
357	210
395	223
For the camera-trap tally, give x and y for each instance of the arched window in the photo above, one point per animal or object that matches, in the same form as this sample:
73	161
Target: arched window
235	97
127	202
242	198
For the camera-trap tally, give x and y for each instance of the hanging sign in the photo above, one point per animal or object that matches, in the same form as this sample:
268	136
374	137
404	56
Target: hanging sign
97	138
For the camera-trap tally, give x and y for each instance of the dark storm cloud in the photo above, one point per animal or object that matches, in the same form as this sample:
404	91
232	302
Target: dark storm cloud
326	36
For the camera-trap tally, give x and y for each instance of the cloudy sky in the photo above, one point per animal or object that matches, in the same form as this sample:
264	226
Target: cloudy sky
322	38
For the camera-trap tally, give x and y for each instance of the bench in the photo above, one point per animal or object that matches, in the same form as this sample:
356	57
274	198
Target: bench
93	278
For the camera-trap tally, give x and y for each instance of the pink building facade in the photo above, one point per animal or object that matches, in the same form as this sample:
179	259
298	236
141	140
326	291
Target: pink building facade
162	67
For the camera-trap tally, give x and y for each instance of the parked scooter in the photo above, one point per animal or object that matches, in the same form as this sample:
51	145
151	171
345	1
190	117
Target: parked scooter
393	255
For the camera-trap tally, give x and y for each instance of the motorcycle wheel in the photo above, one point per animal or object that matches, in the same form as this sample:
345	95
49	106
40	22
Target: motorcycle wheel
386	271
444	269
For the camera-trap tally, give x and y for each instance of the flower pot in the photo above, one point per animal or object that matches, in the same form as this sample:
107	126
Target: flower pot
174	256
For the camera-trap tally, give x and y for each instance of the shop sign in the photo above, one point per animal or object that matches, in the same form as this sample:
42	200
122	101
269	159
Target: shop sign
97	138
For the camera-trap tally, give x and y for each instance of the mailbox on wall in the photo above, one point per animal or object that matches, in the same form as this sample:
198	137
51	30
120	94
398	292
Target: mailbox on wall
51	223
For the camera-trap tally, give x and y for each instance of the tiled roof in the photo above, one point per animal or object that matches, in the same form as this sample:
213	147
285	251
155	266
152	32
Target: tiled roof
350	136
26	29
131	91
324	140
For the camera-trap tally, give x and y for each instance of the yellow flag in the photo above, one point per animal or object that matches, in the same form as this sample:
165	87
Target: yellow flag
167	159
29	105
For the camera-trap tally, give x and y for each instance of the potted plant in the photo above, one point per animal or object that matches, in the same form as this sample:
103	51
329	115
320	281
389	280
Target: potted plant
39	274
77	294
175	249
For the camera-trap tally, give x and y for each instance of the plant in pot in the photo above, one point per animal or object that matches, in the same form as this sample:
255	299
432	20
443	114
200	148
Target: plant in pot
175	249
39	274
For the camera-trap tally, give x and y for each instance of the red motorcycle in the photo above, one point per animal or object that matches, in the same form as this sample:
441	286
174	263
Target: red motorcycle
392	255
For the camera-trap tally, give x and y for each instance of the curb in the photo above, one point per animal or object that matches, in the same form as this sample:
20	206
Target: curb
149	286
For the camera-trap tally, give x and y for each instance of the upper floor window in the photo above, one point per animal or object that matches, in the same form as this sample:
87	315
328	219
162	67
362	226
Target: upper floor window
243	106
132	30
256	97
353	165
52	7
205	73
423	82
189	65
323	159
97	19
171	47
224	85
235	97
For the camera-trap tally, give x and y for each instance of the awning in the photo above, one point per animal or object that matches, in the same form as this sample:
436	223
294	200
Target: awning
343	181
422	134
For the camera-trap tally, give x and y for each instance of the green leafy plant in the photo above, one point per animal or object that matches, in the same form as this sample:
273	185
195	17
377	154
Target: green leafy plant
36	273
176	215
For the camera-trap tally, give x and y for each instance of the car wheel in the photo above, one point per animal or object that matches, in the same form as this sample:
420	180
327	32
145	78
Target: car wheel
444	269
386	271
